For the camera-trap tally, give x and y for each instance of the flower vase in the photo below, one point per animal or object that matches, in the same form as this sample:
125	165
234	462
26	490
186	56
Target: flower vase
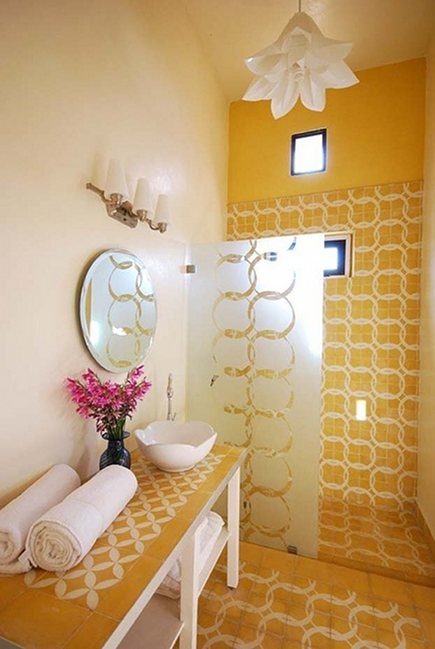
115	453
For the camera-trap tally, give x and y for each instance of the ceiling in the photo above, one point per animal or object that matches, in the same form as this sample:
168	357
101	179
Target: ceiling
382	31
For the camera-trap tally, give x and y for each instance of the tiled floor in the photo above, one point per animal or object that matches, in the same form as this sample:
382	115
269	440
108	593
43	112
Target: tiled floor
289	602
386	541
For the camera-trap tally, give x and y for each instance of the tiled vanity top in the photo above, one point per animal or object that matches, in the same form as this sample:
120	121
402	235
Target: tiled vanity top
82	607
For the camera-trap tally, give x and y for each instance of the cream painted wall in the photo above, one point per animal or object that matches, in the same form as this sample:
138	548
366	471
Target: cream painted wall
426	448
82	82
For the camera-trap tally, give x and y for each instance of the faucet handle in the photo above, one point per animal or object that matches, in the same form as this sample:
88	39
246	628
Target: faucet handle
170	389
170	394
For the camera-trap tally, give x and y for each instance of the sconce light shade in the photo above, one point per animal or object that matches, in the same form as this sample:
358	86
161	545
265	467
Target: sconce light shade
300	63
114	197
142	198
116	182
162	213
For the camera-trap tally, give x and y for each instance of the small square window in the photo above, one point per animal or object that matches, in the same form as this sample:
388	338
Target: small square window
337	255
308	152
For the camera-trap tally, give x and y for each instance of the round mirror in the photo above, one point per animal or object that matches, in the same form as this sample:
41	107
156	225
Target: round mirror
118	310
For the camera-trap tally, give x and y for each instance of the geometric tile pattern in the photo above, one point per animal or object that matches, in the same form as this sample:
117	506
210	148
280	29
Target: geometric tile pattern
288	602
384	541
160	497
371	329
82	608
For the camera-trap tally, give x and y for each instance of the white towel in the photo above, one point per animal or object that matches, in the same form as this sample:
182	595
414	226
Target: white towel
17	516
60	539
209	531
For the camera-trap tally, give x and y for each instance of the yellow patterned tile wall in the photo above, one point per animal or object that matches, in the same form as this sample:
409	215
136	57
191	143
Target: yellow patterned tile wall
371	328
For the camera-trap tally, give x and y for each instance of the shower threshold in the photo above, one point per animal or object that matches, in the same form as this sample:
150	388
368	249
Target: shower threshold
389	542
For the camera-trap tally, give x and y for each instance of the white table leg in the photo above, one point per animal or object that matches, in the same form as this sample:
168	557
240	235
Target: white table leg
233	501
189	593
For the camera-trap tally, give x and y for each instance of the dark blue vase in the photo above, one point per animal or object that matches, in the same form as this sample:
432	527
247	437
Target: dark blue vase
115	453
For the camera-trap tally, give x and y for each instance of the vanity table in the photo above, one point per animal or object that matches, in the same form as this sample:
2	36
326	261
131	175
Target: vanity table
109	600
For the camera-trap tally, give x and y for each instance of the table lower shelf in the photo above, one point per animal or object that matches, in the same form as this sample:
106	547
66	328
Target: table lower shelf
158	625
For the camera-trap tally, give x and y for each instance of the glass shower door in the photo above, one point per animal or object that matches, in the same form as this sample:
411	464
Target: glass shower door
254	373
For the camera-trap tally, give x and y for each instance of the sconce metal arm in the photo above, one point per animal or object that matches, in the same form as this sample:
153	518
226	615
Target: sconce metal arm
123	211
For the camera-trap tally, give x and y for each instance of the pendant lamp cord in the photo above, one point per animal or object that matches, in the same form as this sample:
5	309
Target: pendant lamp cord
300	4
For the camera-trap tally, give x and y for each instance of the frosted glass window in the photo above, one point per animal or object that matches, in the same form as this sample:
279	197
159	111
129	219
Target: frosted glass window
308	152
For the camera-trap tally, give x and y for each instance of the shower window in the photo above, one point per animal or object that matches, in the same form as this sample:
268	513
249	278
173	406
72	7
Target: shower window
337	255
308	152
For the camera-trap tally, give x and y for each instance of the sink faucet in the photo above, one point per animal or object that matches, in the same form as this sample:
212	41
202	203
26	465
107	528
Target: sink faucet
170	394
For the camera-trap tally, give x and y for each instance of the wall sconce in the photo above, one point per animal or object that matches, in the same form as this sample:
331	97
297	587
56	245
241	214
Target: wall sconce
115	194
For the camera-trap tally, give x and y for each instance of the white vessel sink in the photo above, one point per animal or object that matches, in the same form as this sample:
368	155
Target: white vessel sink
175	446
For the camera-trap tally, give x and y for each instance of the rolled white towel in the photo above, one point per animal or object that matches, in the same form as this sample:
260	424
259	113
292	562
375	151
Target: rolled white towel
210	535
209	531
61	538
17	516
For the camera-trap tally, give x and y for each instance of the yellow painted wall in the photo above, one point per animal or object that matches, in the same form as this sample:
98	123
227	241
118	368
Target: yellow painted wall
426	457
82	82
375	135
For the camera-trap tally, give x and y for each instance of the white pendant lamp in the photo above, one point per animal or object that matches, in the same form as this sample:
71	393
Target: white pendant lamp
302	63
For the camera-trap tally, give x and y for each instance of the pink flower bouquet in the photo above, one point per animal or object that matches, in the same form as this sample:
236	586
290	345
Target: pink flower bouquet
109	403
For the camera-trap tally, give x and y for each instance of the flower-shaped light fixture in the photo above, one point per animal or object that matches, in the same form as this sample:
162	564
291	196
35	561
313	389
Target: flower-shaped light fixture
301	63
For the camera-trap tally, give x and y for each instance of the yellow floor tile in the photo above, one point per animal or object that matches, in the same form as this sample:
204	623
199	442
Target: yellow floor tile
387	638
290	644
317	614
243	588
229	630
385	588
363	615
297	615
417	644
340	610
206	621
248	635
282	591
233	611
317	641
352	579
251	553
274	624
320	602
427	621
218	644
279	560
341	626
340	644
270	642
387	541
423	597
294	632
366	634
319	570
